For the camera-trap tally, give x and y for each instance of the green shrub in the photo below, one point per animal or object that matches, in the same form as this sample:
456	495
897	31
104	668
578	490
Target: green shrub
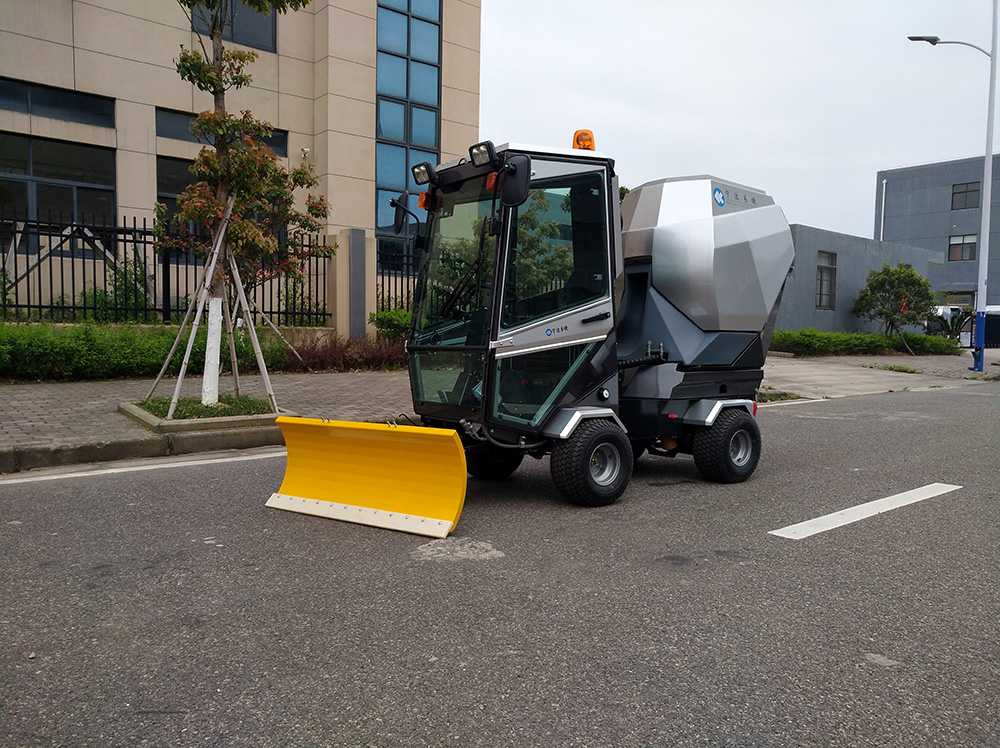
392	324
811	342
89	351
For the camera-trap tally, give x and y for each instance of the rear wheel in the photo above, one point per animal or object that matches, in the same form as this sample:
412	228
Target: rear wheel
593	466
493	464
728	451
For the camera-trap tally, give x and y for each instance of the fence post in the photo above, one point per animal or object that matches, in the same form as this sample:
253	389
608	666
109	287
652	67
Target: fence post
165	291
351	284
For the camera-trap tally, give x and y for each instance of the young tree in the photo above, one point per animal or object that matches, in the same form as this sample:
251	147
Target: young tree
897	296
265	231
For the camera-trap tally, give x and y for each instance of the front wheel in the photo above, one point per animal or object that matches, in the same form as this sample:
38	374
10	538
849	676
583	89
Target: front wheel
728	451
593	466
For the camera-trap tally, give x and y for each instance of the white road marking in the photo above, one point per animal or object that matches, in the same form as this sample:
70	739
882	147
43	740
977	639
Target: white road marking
138	468
862	511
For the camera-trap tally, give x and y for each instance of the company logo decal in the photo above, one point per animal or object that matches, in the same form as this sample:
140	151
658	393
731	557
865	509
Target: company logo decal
720	199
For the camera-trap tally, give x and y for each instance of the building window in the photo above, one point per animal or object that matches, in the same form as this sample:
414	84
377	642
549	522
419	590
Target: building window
962	247
826	280
965	195
246	26
55	180
408	113
56	103
177	126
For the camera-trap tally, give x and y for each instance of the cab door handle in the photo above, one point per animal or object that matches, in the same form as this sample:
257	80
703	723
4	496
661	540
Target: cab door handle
595	318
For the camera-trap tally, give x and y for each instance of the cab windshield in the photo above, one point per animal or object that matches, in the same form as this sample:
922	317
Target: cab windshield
453	300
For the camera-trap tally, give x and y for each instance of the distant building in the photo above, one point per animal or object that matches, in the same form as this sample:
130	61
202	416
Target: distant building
830	270
938	207
94	118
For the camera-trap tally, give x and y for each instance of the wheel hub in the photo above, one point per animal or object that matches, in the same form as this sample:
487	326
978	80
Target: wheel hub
740	448
605	462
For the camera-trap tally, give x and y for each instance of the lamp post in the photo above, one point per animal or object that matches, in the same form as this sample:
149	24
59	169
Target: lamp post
979	331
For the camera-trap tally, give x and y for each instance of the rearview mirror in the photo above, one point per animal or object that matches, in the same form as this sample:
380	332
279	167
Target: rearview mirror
399	219
514	184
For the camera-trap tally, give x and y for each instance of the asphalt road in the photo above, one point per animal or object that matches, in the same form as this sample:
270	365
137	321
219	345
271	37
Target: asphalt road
168	606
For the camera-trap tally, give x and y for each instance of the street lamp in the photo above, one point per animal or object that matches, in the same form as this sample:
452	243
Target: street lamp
979	341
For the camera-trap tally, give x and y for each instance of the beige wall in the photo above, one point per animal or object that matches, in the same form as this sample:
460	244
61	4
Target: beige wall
320	87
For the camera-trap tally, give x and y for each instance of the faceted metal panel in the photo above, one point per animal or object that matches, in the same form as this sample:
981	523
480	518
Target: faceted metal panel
720	251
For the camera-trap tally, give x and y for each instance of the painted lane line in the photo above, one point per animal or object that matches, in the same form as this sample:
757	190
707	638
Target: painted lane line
862	511
139	468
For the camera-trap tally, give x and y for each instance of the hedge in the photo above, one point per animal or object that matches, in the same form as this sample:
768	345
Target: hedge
812	342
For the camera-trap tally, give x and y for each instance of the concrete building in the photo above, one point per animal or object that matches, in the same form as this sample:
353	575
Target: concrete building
93	116
937	207
830	269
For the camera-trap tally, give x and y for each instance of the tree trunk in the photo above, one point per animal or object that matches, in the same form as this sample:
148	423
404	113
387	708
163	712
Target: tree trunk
217	289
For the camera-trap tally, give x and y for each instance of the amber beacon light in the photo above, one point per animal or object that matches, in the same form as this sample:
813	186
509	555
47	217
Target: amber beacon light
583	140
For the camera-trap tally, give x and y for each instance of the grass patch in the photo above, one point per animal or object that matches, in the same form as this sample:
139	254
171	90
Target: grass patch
191	407
897	367
776	396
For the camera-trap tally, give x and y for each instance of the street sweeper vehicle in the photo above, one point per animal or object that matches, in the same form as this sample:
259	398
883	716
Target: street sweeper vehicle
551	318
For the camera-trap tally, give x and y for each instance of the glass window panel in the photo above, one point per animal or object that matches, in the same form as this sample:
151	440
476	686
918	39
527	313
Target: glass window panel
95	205
397	4
172	175
174	125
13	95
391	31
13	199
429	9
54	202
424	41
390	166
73	162
384	213
72	106
418	157
252	28
390	75
277	141
424	83
13	154
391	120
423	127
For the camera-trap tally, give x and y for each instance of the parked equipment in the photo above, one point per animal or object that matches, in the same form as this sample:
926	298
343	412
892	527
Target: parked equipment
541	328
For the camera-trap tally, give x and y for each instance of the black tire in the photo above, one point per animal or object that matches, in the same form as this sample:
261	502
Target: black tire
493	464
728	451
593	466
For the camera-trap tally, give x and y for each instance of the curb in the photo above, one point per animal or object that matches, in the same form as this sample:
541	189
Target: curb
16	459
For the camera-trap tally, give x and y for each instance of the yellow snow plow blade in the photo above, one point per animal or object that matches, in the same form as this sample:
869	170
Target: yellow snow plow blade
405	478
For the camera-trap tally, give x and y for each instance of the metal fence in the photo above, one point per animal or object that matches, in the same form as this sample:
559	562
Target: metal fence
71	272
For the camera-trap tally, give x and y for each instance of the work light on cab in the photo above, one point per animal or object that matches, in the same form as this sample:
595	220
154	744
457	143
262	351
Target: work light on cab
424	173
483	153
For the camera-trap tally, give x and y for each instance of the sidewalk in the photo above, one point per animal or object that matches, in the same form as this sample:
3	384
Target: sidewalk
49	424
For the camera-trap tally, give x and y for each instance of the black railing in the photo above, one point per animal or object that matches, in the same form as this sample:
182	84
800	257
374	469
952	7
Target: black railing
71	272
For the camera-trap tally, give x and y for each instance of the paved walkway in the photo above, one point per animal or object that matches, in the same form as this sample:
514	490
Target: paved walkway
46	424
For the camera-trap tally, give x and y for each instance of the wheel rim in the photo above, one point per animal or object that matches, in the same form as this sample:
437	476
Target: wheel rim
605	464
740	448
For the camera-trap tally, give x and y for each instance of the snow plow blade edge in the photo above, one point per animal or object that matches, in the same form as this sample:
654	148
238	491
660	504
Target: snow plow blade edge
407	478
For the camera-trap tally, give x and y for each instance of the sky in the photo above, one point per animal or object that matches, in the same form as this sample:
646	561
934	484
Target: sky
804	99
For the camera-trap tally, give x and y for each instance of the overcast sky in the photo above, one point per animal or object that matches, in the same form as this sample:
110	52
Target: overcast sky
804	99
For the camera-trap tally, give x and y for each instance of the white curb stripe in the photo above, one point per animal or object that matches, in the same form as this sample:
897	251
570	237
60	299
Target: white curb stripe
4	481
862	511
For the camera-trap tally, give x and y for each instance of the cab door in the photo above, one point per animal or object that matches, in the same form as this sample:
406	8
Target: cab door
553	310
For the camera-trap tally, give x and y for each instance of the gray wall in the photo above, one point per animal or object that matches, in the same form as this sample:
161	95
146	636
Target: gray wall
855	257
918	212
